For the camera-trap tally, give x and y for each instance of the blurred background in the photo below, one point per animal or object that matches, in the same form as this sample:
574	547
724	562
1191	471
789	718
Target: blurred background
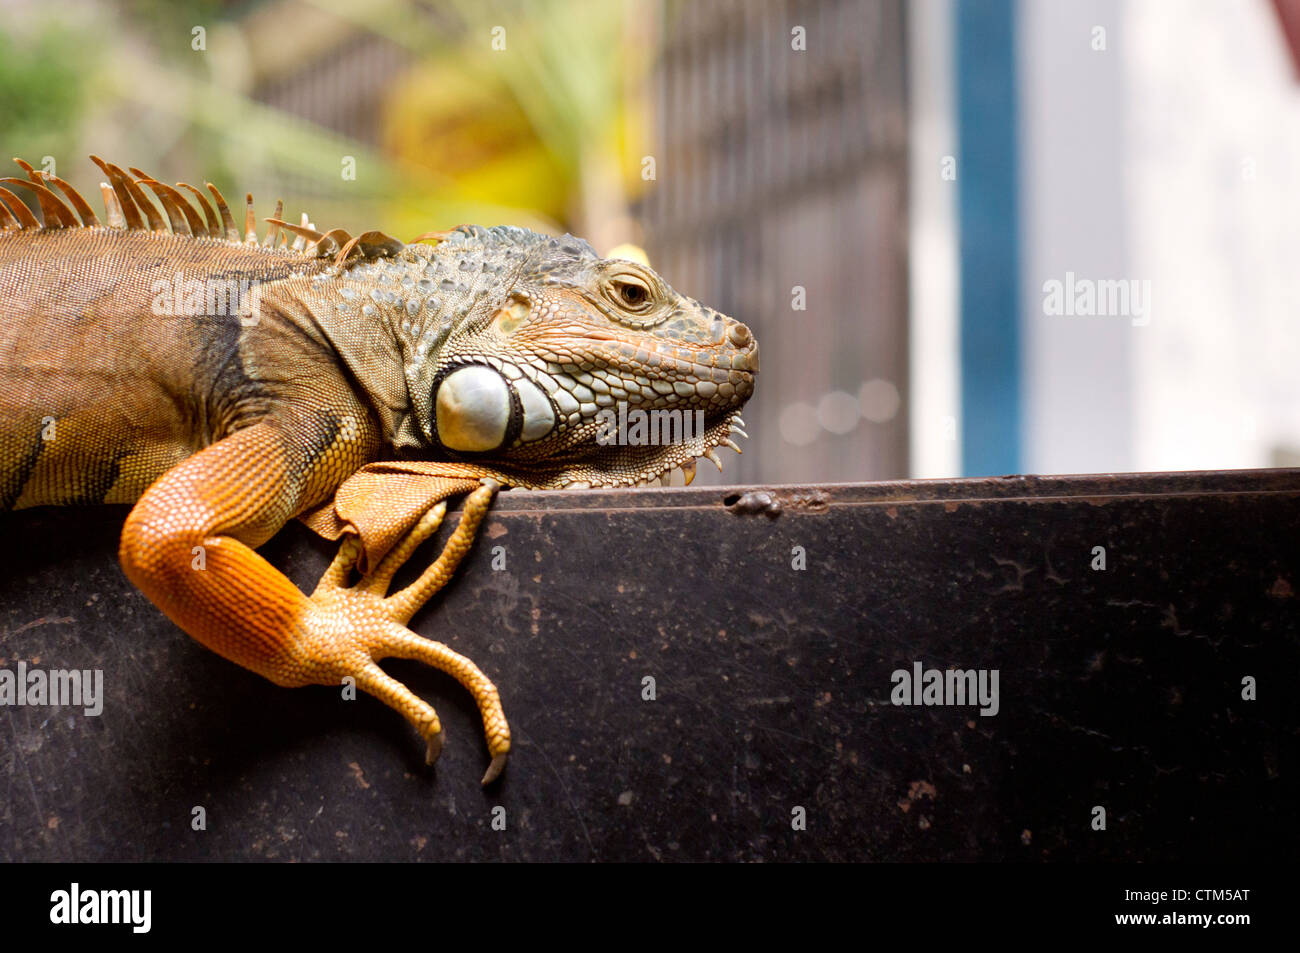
973	237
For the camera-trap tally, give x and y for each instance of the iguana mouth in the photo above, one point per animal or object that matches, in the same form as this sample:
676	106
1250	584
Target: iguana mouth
625	466
678	468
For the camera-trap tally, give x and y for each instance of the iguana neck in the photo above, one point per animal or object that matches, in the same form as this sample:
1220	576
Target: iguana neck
389	319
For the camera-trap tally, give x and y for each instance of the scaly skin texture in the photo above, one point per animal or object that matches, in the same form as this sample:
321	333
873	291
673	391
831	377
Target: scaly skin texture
367	383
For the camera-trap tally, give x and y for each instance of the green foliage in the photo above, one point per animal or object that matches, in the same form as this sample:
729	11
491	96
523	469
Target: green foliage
43	85
540	132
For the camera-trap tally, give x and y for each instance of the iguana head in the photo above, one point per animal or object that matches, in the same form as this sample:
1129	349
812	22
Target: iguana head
538	360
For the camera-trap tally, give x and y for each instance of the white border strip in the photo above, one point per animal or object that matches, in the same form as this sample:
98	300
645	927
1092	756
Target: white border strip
934	358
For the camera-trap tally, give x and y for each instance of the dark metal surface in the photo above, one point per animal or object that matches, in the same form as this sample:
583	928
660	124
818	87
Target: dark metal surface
1119	688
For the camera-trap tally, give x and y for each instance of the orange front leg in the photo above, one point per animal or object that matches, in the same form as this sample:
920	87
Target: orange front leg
188	545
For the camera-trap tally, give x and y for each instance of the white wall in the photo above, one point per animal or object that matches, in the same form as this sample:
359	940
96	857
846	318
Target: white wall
1077	371
934	372
1170	157
1213	175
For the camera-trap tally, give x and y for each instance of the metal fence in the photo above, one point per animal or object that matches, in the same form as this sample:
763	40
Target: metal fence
781	165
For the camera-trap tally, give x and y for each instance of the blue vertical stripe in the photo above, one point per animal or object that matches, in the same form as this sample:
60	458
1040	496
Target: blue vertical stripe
987	171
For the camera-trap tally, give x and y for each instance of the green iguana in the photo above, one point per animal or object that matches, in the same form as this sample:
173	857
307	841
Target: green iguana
225	386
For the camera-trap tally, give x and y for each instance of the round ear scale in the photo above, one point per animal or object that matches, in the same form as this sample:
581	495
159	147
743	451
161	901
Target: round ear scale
473	409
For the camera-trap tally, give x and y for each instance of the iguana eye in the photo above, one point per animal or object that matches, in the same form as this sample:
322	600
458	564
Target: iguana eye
629	292
633	295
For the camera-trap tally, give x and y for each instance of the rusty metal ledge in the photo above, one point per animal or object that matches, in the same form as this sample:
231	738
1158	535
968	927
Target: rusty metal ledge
1033	487
1119	688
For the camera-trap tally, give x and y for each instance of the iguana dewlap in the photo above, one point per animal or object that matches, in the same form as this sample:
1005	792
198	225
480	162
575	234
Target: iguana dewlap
225	386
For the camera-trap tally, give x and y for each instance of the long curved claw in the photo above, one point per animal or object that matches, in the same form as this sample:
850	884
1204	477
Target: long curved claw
494	769
433	749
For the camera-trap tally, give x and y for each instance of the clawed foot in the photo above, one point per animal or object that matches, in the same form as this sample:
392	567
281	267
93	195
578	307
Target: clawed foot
361	623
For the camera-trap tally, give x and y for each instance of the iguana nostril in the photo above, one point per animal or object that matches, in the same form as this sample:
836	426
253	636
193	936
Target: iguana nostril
739	335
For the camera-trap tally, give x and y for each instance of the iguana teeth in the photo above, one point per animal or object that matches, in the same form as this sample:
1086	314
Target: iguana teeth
717	462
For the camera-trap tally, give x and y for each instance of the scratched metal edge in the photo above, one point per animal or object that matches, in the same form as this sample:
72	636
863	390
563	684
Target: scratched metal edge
815	497
1023	487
